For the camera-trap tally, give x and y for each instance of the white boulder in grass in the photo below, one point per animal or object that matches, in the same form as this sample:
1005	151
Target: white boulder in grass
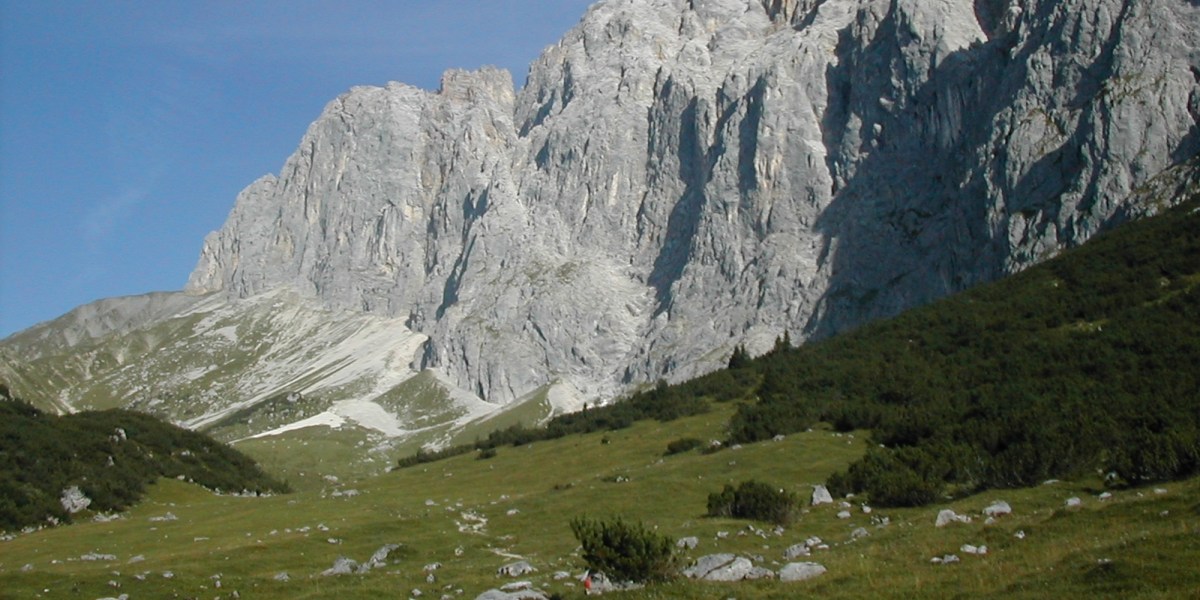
998	508
516	569
801	571
1074	502
821	496
947	516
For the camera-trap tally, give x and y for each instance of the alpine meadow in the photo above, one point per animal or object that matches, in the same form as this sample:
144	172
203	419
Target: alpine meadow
730	299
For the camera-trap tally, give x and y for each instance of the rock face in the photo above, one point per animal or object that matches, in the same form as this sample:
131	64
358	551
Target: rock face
681	176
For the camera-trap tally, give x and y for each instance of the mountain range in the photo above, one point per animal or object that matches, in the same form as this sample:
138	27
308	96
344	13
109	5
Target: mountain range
677	178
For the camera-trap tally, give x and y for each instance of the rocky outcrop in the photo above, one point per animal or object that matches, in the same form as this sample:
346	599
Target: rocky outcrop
679	177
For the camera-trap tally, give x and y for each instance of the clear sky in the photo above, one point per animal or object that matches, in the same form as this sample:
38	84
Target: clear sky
128	128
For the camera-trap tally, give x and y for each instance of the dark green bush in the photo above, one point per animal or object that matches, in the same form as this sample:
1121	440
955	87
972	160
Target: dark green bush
754	500
683	445
625	551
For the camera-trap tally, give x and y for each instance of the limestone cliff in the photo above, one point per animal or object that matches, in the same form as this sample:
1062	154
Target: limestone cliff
680	176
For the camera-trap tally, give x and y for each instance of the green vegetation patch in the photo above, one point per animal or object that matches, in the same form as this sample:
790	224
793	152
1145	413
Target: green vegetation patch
109	457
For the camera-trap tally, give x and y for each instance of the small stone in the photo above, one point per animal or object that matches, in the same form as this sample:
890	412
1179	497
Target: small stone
845	514
688	543
1073	502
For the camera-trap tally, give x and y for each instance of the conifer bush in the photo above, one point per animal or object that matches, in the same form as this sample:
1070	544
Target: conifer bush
756	501
682	445
625	551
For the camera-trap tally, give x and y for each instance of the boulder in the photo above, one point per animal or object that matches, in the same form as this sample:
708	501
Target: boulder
821	496
736	570
378	559
726	567
947	516
796	551
341	566
998	508
1074	502
801	571
688	543
73	499
759	573
516	569
516	595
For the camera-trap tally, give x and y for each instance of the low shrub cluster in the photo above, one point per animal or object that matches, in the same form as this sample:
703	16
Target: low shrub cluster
682	445
756	501
625	551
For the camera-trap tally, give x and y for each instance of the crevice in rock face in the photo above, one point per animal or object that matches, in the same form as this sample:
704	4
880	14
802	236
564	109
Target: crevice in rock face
684	220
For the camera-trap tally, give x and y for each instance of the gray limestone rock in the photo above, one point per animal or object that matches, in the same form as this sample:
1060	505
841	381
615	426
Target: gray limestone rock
74	500
801	571
678	177
516	569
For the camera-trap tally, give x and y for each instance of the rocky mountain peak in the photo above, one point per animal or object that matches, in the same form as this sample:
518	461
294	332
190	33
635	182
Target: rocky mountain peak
681	176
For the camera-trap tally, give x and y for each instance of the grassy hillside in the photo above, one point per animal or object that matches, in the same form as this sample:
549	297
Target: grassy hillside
473	516
110	456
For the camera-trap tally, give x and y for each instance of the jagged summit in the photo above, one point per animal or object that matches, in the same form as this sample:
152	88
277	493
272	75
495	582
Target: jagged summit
680	177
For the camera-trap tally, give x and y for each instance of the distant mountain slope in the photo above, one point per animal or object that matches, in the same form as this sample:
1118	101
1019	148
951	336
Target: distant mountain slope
52	467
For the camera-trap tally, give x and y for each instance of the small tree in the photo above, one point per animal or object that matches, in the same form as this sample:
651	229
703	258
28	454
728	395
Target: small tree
625	551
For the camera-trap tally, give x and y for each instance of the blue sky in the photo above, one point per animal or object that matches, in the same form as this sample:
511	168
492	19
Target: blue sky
128	128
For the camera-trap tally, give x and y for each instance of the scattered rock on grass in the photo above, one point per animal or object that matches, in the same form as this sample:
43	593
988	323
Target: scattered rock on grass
341	566
801	571
796	551
998	508
947	516
516	569
518	595
821	496
689	543
1074	502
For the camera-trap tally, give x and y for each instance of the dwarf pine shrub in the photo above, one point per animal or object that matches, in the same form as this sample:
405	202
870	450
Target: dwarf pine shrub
625	551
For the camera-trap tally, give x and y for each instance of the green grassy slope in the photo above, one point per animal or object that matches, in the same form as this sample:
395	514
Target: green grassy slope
1132	543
